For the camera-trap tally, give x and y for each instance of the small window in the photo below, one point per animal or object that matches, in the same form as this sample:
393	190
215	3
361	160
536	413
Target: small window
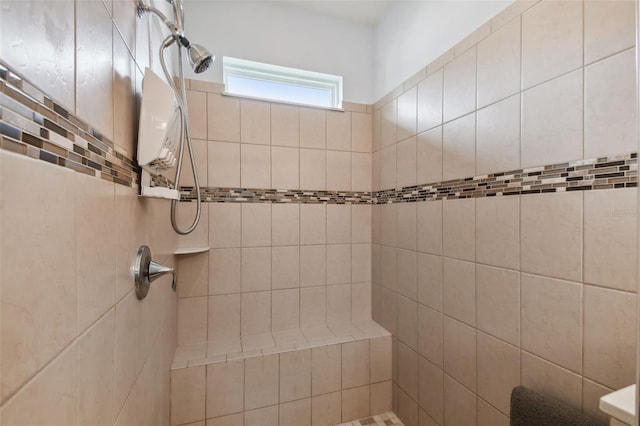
276	83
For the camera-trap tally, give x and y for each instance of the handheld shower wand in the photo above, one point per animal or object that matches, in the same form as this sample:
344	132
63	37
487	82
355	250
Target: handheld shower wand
200	60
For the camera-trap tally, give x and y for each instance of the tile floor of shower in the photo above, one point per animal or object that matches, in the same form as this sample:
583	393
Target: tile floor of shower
385	419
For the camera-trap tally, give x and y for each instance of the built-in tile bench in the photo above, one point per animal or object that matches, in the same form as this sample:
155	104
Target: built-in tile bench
315	376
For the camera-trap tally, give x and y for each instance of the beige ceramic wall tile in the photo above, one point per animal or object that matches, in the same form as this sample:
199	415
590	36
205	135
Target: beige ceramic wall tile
460	352
489	416
124	96
361	132
355	364
96	368
361	223
326	369
380	359
285	224
407	408
610	257
430	334
609	336
498	302
609	27
224	271
361	172
552	121
296	413
551	235
231	420
609	122
326	409
407	114
388	167
408	322
313	128
430	280
460	86
459	403
429	216
339	130
551	380
406	163
407	226
267	416
459	148
127	335
188	395
256	312
498	137
430	102
389	268
256	269
225	225
338	224
53	65
498	371
225	388
360	263
261	381
285	168
50	304
338	263
255	122
459	229
551	41
295	375
407	274
388	124
552	320
285	125
459	295
94	66
255	166
224	316
224	118
338	303
285	311
408	370
96	248
224	164
313	169
498	231
499	64
591	394
380	395
185	214
429	156
338	171
313	306
197	105
285	267
50	398
193	274
355	403
313	261
431	389
192	320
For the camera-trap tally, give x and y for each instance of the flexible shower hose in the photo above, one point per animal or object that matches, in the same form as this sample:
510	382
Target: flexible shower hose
181	96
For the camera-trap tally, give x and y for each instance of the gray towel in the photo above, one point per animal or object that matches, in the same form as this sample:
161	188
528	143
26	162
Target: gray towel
529	408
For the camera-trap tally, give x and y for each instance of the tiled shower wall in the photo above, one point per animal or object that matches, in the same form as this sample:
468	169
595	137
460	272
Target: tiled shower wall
538	288
77	347
275	266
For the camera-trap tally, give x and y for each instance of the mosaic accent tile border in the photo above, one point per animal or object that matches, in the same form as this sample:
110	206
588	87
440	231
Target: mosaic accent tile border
583	175
34	125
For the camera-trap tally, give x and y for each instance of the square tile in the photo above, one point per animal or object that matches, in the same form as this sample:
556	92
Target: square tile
261	381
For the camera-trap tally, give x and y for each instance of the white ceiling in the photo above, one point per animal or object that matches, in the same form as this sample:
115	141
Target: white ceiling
366	12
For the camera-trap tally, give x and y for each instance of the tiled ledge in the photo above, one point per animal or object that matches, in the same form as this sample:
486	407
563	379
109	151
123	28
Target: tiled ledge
250	346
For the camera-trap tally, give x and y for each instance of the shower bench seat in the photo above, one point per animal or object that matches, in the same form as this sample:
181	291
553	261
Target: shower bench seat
321	375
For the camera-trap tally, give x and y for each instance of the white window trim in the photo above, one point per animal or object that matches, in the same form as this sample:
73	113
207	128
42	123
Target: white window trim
278	74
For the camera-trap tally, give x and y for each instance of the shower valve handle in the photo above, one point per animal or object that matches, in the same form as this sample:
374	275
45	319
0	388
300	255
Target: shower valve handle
146	271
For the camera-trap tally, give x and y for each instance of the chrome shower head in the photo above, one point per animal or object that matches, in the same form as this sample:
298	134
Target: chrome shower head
199	58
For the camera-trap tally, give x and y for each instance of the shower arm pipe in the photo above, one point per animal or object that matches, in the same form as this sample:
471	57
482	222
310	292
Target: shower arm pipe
176	30
184	134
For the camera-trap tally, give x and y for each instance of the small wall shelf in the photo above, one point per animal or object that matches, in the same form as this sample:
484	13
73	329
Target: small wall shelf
191	250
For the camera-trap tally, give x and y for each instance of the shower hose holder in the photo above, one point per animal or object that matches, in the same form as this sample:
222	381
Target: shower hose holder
146	271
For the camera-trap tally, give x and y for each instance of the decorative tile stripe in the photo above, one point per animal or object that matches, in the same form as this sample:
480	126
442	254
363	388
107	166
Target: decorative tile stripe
34	125
583	175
